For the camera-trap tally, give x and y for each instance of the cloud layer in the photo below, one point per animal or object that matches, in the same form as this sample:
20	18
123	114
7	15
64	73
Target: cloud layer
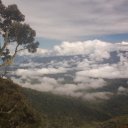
73	19
75	69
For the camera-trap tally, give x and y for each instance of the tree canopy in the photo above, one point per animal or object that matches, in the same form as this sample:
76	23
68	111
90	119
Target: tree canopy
13	29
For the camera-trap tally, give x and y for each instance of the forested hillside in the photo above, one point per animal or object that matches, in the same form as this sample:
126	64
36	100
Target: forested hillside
15	110
67	112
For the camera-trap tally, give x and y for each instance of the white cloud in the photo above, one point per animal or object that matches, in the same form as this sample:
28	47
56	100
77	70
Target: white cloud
39	72
96	49
47	84
105	71
89	83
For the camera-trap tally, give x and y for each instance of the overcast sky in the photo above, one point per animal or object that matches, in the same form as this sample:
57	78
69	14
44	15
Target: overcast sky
75	20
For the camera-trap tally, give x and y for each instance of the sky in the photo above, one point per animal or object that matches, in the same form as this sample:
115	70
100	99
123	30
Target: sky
56	21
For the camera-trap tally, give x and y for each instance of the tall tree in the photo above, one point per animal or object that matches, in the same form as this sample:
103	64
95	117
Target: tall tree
13	29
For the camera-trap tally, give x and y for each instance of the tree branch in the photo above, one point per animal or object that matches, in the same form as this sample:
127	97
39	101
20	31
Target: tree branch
3	64
9	111
21	49
16	50
9	60
5	42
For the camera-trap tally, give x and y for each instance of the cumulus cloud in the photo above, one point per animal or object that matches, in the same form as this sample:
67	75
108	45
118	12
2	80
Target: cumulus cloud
89	68
47	84
73	19
106	71
95	49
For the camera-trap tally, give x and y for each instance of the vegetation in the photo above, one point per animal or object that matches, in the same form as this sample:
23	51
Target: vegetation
67	112
15	110
117	122
14	31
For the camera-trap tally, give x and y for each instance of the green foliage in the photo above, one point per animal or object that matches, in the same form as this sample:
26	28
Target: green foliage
8	15
13	29
24	35
66	112
117	122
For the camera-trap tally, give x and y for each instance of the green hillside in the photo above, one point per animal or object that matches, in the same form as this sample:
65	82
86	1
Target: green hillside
60	110
15	110
70	112
117	122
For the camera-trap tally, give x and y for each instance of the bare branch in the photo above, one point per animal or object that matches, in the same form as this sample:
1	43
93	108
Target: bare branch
9	111
5	43
16	50
21	49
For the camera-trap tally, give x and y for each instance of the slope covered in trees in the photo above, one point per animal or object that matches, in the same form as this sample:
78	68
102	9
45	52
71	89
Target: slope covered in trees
67	112
15	110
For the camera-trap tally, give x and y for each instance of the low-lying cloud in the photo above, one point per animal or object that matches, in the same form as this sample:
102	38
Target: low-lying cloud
75	69
39	72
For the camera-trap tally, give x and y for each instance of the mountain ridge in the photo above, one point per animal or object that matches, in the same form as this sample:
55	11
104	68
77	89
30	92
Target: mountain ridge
15	110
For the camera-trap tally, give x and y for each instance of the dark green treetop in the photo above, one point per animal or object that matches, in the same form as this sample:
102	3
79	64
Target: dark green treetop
13	29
